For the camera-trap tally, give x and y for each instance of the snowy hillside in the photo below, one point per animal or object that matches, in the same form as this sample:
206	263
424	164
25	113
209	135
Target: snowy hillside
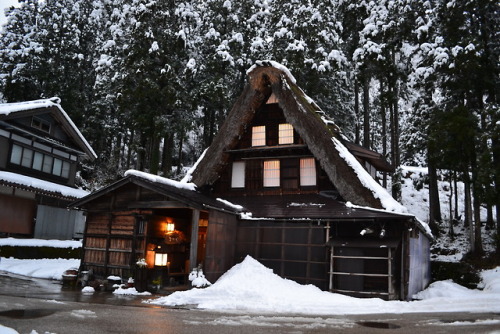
415	196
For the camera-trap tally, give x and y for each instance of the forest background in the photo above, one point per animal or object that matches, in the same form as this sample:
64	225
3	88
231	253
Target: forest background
149	83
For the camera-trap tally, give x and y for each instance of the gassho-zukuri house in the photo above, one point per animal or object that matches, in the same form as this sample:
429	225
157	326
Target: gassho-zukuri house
279	183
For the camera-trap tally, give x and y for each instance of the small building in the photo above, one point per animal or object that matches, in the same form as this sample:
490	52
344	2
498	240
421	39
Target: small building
280	183
40	152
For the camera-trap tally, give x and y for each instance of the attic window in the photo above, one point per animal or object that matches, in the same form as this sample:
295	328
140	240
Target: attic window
272	173
40	124
272	99
259	135
285	132
307	172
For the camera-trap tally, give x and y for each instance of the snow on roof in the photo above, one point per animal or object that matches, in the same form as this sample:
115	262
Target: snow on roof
42	185
387	201
189	175
160	179
274	64
9	108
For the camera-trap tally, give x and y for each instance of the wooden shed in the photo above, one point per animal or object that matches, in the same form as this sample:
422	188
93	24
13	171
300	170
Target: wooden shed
161	221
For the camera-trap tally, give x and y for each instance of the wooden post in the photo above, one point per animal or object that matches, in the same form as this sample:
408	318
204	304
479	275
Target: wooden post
194	239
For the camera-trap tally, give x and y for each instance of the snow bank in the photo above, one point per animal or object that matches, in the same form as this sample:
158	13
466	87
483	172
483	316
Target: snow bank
41	268
40	243
251	287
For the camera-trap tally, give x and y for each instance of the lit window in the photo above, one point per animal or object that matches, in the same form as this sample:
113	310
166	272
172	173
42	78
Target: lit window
259	135
285	134
307	172
238	175
161	259
272	173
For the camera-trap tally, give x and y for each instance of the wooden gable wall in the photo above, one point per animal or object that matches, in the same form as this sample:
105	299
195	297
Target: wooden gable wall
270	116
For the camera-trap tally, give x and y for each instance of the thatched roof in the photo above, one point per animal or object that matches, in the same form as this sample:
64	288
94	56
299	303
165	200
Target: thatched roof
321	135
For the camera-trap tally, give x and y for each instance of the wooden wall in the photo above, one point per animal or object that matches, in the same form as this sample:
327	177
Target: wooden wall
294	250
220	245
113	242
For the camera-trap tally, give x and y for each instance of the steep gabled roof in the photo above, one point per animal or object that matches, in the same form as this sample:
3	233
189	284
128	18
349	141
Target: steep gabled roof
21	109
322	136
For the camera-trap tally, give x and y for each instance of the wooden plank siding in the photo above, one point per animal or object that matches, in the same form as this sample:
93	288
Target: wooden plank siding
294	250
113	242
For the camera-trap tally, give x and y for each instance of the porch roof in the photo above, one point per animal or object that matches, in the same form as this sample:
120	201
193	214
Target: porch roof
310	206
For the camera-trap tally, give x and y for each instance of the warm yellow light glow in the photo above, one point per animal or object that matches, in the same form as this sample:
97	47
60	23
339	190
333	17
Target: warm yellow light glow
170	227
285	133
259	135
272	173
161	259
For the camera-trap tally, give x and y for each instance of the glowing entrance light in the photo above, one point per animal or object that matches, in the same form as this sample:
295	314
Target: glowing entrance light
161	259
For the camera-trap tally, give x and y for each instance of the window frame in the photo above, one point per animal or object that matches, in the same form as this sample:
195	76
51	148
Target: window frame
307	172
271	177
238	175
285	134
258	135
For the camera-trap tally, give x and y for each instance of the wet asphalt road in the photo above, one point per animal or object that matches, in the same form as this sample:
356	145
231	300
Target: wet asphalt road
44	306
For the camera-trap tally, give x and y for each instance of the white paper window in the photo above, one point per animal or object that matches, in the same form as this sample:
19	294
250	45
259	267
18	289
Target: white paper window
17	152
65	169
37	161
47	164
27	158
307	172
272	173
238	176
56	168
259	135
285	133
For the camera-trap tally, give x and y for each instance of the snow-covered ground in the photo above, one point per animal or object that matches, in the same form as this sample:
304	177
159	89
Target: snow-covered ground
250	287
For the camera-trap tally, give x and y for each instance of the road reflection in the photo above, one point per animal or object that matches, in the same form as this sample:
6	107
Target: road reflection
21	286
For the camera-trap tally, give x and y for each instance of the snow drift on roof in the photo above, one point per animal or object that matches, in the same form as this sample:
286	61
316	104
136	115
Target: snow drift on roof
42	185
274	64
160	179
387	201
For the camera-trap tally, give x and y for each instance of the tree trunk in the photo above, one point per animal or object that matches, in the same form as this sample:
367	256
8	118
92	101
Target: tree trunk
451	232
434	203
384	128
366	112
166	161
179	152
356	111
468	211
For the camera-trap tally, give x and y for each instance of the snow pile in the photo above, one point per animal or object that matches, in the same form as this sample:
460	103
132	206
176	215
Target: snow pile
88	290
198	279
160	179
251	287
130	292
42	185
40	243
274	64
40	268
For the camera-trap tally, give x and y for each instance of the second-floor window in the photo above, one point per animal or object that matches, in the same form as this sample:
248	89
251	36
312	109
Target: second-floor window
271	173
307	172
238	175
29	158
